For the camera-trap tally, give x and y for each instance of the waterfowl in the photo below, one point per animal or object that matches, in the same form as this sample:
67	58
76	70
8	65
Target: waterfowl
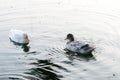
19	37
77	46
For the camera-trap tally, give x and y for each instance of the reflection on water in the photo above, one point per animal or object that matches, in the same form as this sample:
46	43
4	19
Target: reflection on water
17	77
25	47
48	70
44	70
48	22
72	55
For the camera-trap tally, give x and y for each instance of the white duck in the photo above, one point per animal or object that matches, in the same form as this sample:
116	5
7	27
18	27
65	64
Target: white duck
77	46
19	37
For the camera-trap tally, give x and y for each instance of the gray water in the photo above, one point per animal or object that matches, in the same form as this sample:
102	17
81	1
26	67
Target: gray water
47	23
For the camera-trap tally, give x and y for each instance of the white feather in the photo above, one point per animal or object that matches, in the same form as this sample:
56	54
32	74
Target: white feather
17	36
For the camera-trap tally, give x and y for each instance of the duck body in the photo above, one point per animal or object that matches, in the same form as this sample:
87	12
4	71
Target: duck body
19	37
78	46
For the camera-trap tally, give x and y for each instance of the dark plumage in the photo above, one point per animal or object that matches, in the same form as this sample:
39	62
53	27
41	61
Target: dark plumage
77	46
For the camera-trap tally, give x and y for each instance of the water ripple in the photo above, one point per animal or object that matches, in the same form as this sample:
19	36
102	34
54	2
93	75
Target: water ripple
18	77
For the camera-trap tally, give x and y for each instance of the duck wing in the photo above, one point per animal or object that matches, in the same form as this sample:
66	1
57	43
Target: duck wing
75	46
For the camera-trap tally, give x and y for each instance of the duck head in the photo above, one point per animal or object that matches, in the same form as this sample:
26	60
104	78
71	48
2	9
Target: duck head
26	38
70	37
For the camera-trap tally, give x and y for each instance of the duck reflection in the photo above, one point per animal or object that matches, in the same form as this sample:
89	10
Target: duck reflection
45	70
73	55
25	46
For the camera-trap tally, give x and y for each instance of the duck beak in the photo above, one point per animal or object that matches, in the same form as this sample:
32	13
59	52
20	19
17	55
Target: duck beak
66	38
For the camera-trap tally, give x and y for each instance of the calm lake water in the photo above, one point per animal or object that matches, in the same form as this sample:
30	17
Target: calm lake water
47	23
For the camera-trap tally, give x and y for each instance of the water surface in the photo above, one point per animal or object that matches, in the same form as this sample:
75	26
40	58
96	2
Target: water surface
47	23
